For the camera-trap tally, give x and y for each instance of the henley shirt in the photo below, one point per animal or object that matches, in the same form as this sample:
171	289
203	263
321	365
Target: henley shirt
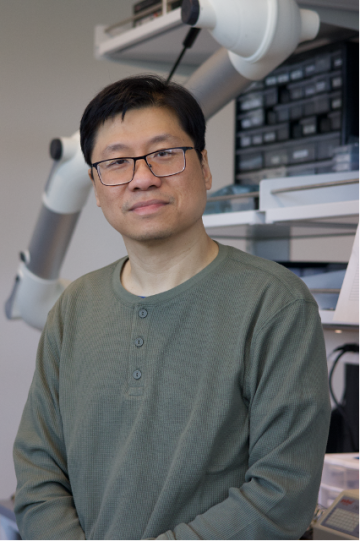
198	413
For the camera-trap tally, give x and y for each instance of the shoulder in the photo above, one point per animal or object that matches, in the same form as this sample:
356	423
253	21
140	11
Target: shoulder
259	275
92	281
88	291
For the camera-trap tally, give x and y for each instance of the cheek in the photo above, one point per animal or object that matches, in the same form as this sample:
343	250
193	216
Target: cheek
111	210
192	199
108	197
197	187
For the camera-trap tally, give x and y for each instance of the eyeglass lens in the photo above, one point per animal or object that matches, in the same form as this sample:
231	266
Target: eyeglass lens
162	163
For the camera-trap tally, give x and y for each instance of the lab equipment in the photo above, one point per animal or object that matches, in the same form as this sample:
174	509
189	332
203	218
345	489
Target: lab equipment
37	284
340	472
341	520
256	38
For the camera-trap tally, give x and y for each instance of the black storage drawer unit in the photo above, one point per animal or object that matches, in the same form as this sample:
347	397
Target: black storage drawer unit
290	122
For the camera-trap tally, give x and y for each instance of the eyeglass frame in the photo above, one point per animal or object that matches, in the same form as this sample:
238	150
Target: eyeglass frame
184	149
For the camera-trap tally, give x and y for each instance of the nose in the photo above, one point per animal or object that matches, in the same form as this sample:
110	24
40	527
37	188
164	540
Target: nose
143	178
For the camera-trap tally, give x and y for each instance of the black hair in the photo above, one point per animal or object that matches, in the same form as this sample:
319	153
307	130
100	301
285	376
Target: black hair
138	92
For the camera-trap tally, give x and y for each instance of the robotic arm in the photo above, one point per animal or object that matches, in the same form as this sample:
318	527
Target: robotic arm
256	36
37	284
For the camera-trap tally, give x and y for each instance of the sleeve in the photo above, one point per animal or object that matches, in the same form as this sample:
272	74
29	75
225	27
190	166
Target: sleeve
286	389
44	504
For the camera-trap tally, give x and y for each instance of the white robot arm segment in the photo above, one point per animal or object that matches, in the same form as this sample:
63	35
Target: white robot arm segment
37	285
257	37
253	30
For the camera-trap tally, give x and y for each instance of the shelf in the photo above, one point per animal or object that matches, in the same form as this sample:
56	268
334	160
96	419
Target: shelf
331	198
221	226
226	219
325	219
309	206
158	41
327	316
313	212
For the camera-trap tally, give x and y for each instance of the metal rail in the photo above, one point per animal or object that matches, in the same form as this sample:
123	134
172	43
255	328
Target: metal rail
232	196
323	290
313	186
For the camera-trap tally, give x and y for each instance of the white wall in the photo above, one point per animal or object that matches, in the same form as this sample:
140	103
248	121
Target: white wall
47	76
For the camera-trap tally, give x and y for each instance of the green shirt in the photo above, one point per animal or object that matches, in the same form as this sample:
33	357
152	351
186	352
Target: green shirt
198	413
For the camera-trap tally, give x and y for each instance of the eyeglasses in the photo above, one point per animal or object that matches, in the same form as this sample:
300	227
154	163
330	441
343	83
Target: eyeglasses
162	163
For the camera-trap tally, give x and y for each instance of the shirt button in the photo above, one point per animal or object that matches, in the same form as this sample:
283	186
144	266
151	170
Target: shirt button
143	313
139	342
137	374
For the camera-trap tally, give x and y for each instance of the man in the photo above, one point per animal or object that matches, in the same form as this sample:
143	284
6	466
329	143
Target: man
181	392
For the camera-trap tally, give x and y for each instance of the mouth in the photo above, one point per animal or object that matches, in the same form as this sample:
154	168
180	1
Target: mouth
148	207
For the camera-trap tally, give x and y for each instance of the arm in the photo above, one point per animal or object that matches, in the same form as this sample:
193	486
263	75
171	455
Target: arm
287	394
44	505
37	286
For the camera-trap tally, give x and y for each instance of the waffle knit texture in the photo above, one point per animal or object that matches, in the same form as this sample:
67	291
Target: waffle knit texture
198	413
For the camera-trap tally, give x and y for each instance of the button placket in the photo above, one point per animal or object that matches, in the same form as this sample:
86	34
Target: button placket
138	350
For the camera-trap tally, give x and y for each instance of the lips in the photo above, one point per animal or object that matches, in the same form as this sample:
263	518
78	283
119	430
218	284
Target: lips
151	203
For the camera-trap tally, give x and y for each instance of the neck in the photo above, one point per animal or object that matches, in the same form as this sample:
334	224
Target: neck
155	267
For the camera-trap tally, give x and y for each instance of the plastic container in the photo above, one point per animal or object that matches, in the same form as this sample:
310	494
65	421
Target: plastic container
341	470
327	495
346	158
232	205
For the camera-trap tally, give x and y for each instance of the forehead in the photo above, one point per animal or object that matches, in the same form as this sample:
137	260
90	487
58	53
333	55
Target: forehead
139	131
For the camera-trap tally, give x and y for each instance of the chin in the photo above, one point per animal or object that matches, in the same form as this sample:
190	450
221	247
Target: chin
156	232
152	236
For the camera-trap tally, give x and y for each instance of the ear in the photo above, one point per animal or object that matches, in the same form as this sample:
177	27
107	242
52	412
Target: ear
206	170
95	189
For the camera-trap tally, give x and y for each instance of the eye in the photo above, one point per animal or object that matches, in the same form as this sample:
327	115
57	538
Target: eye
117	163
163	154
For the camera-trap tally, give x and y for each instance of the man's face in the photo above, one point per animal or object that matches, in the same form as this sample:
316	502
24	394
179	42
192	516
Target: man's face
150	208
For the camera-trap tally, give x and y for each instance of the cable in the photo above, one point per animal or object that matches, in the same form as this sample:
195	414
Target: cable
354	348
187	44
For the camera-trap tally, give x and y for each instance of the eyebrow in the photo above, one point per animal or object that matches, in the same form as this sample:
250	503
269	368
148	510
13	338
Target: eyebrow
164	137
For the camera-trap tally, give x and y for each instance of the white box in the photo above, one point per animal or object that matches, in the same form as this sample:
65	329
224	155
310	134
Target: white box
327	495
341	470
